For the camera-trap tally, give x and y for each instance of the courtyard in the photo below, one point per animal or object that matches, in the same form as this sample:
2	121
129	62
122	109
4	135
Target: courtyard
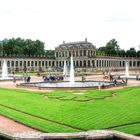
63	110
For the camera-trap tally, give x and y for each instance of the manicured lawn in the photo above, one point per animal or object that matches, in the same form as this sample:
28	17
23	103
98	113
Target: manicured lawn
69	111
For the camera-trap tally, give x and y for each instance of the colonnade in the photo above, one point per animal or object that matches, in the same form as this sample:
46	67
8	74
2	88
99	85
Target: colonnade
94	62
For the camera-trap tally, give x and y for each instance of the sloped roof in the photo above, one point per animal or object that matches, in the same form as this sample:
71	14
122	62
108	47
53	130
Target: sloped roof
75	43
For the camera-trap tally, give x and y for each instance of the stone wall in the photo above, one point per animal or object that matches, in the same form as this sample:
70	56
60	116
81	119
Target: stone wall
89	135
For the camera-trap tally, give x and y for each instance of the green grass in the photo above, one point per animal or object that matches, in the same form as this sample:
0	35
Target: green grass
39	124
135	128
65	111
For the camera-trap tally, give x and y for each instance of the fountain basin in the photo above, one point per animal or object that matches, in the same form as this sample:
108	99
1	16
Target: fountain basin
77	84
130	76
10	78
68	85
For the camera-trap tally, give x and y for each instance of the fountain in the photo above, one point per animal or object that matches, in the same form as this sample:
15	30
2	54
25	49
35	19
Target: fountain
67	84
4	70
5	76
127	69
126	75
65	69
71	70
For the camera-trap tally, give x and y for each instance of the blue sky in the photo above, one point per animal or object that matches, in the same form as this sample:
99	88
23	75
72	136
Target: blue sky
53	21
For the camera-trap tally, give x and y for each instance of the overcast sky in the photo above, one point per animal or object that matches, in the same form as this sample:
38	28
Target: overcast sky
53	21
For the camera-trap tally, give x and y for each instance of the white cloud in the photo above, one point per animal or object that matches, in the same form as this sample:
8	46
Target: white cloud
53	21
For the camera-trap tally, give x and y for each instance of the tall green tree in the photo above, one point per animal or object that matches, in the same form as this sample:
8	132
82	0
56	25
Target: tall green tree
131	52
50	53
1	48
111	48
138	53
20	47
121	52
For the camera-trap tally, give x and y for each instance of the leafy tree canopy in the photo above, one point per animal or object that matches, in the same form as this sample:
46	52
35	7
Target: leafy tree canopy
21	47
112	48
50	53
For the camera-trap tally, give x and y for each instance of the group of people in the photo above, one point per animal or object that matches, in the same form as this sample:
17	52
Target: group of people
137	77
53	78
27	79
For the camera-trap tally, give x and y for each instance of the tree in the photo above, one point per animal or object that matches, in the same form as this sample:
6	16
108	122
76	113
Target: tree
121	52
19	47
111	48
102	49
138	53
50	54
1	48
131	52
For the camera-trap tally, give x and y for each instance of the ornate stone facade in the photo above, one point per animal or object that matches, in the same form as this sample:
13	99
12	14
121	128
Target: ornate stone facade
82	53
84	56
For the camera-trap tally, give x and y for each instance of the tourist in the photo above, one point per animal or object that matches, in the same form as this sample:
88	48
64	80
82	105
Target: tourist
123	80
126	80
25	79
28	79
115	82
83	78
103	86
119	76
137	77
99	85
14	78
111	77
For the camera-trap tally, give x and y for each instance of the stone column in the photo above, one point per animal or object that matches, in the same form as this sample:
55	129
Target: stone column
102	63
86	52
91	65
99	63
90	52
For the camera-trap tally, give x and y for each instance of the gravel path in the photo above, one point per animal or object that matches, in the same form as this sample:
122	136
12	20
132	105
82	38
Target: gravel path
10	126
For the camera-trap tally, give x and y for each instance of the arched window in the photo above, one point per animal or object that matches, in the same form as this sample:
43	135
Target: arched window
28	63
46	64
134	63
42	63
76	63
32	63
88	63
13	63
16	63
84	63
93	64
39	63
20	63
24	63
35	63
8	63
80	63
52	63
84	52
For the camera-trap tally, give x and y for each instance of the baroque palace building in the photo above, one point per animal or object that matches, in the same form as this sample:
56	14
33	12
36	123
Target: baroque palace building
84	57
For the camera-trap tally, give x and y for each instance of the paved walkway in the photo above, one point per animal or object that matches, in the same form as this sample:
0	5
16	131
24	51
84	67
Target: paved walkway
8	125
